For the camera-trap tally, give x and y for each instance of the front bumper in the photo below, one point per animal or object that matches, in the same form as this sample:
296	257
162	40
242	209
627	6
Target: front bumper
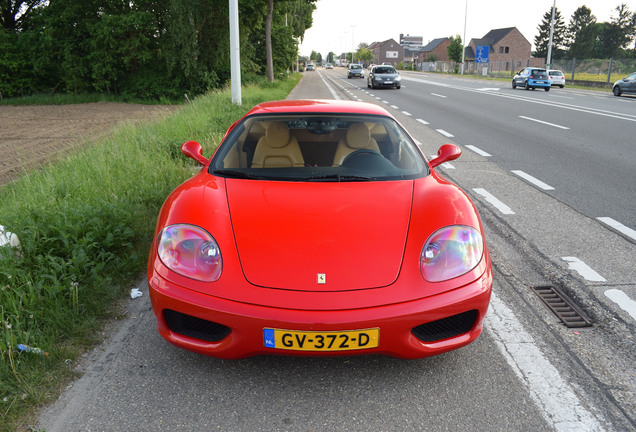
228	329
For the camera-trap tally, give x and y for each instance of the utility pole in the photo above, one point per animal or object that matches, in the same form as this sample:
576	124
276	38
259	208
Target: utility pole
352	43
235	53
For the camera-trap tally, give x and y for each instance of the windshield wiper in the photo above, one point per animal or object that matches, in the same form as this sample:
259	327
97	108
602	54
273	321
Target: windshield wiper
339	177
236	174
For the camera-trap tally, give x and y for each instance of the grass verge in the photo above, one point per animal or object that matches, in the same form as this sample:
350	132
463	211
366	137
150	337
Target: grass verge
85	225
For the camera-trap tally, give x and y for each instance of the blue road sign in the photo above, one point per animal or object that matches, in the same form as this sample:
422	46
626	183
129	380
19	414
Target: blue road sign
481	56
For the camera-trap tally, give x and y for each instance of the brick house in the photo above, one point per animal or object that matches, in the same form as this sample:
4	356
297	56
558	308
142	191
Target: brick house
388	51
508	48
436	48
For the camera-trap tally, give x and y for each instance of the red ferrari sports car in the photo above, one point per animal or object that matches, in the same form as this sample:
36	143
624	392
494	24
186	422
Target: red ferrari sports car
319	228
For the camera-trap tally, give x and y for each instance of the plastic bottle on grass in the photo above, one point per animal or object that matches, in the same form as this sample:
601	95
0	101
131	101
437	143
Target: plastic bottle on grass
27	348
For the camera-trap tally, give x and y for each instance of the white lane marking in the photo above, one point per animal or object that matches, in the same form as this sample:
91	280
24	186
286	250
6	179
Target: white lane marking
551	103
406	113
478	151
544	122
446	134
488	89
424	122
331	90
623	300
494	201
553	396
583	269
533	180
439	95
394	107
445	164
618	226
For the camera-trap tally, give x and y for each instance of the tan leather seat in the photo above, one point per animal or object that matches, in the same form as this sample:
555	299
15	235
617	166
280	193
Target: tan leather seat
358	137
277	149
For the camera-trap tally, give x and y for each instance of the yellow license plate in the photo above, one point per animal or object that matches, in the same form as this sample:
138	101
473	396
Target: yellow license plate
321	341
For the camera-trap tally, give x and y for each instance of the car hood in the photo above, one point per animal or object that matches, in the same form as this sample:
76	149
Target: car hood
318	236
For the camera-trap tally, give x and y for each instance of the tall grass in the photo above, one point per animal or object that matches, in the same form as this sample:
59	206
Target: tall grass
85	225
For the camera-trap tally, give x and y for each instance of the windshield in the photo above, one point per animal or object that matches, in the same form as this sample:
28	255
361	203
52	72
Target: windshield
355	66
385	70
325	147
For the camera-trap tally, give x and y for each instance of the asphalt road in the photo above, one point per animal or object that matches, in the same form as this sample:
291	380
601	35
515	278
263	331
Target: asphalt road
526	372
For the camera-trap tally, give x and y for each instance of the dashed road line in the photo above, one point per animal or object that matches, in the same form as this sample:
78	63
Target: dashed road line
478	151
533	180
446	134
618	227
424	122
544	122
503	208
623	301
586	272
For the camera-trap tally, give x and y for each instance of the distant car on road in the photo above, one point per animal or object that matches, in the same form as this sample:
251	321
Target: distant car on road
355	70
310	67
625	85
532	78
384	76
557	79
329	66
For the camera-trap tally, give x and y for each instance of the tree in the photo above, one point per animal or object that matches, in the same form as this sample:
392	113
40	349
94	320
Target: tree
14	13
364	54
581	33
454	50
615	36
541	40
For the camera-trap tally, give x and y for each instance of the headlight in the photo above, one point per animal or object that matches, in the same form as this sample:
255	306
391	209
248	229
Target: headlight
398	78
190	251
451	252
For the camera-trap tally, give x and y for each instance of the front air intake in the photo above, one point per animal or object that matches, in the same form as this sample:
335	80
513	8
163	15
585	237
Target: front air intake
446	327
194	327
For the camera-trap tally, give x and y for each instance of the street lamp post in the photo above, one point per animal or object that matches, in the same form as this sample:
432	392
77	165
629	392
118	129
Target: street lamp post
549	57
352	43
464	39
235	53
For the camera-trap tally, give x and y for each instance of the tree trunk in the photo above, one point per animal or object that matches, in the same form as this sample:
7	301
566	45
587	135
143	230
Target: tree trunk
268	41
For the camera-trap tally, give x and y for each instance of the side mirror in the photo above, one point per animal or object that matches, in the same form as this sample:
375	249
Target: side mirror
193	150
447	152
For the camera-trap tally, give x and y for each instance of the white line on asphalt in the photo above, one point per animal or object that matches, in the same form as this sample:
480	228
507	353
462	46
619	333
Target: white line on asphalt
386	102
533	180
583	269
331	90
544	122
445	164
446	134
623	300
424	122
394	107
618	226
494	201
438	95
552	395
406	113
478	150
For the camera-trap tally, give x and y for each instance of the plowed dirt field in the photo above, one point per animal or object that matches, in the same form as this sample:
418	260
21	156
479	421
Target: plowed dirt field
33	136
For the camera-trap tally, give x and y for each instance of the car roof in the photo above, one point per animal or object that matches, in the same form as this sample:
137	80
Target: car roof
318	106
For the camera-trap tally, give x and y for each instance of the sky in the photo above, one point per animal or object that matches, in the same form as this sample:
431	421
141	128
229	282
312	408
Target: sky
339	25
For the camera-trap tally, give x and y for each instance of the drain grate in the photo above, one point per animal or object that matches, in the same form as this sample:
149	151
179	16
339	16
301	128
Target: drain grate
563	307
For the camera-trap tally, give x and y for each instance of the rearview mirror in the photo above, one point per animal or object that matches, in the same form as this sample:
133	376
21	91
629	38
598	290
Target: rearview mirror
447	152
193	150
